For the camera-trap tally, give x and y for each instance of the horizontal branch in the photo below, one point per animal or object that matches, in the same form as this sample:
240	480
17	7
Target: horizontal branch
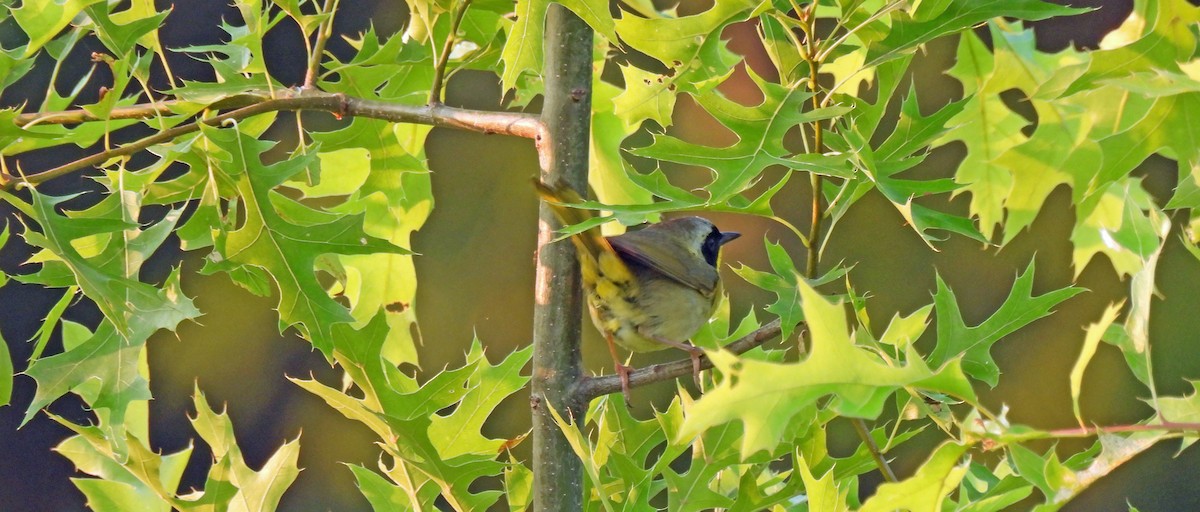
505	123
517	124
79	115
592	387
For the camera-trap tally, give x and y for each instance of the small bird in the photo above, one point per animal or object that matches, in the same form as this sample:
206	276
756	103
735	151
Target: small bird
649	289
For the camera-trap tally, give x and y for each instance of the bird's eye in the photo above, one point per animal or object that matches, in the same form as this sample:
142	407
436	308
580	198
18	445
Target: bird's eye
711	246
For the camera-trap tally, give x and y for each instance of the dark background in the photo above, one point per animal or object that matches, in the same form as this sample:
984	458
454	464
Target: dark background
476	275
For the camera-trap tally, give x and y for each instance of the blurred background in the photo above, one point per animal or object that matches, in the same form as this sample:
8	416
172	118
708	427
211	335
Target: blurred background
476	277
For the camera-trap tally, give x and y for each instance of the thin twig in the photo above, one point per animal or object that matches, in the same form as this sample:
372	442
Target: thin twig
439	70
1152	427
324	31
160	137
140	111
506	123
1079	432
592	387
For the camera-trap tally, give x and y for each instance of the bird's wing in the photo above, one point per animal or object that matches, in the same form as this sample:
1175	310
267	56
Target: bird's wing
668	259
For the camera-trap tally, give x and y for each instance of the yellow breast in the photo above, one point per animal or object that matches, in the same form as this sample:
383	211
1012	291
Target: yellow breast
636	305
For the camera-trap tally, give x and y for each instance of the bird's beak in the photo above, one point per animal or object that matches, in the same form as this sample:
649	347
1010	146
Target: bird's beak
728	236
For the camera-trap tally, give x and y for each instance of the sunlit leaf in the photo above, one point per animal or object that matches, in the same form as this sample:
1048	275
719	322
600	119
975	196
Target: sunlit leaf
926	489
1090	342
907	33
286	250
231	483
689	46
760	130
1181	409
859	380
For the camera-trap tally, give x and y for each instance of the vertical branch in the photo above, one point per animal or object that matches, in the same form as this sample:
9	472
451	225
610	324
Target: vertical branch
439	69
563	148
818	145
813	57
318	51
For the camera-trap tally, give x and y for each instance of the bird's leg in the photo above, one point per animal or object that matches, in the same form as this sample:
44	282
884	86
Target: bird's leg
693	351
621	369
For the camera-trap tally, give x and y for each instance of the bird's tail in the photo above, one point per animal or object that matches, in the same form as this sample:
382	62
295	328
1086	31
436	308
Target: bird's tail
557	196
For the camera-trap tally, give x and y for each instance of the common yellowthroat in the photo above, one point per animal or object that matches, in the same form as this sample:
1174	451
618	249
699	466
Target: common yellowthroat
649	289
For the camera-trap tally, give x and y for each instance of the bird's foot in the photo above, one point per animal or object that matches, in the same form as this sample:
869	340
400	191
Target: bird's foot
623	374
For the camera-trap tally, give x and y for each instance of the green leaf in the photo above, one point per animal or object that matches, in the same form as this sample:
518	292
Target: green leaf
824	493
688	490
988	128
118	296
583	449
286	250
1090	342
1046	472
102	249
903	331
51	321
609	173
449	451
760	130
1133	337
396	198
6	366
518	487
523	49
783	281
460	432
937	477
133	479
974	344
251	490
1061	482
690	47
104	368
397	69
307	22
773	31
1123	224
13	66
1161	129
120	32
380	493
983	490
522	52
905	147
1181	409
644	97
6	370
43	19
1020	177
908	32
765	396
1154	37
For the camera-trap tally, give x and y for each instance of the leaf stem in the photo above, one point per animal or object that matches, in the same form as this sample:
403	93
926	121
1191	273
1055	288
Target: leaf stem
439	70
